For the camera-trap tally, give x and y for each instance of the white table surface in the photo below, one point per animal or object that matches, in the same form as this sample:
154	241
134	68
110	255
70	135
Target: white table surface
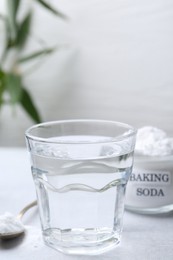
143	238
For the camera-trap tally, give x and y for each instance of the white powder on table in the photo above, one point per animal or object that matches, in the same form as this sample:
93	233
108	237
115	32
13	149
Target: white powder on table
33	239
9	224
153	141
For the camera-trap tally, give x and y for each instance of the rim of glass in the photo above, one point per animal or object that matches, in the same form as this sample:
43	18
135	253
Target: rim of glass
113	139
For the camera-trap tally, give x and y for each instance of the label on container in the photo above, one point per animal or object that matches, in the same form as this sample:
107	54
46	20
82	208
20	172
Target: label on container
150	177
148	188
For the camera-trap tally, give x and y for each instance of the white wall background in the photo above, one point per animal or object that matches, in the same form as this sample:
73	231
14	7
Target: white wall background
116	63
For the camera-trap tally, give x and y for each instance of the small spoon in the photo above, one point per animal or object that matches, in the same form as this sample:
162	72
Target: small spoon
14	234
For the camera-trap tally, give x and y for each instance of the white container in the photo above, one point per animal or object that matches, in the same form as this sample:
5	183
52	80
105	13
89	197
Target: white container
150	188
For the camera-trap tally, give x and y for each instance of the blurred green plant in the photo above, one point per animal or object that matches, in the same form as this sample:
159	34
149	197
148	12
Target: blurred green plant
12	89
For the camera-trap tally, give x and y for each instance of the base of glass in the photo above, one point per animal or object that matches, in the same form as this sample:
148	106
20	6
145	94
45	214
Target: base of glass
81	241
152	210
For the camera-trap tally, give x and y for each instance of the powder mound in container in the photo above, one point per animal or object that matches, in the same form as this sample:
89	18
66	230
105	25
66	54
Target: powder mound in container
153	141
9	224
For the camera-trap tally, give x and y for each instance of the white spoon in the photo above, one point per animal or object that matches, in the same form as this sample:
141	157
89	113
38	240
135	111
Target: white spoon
7	233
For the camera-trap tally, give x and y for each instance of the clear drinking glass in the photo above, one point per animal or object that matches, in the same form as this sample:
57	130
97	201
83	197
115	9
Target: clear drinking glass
80	169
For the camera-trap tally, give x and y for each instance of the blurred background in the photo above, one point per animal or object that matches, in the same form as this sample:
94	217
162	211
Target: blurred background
112	60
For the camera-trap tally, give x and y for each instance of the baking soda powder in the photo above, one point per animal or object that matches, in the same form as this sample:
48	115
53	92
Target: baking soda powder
150	188
10	224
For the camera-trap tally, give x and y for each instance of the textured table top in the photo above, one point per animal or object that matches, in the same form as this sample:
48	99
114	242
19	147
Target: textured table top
144	237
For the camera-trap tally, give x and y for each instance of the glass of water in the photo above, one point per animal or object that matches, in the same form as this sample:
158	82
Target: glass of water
80	169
